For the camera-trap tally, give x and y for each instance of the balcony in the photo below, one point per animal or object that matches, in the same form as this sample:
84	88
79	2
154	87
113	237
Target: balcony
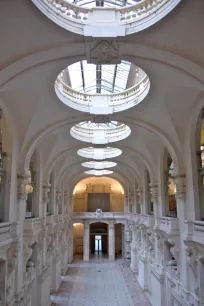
106	21
147	220
168	225
7	230
93	215
51	220
32	225
194	230
102	104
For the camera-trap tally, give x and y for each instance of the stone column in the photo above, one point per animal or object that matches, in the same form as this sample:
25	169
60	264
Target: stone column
134	259
46	190
182	216
125	203
22	197
86	240
140	200
57	202
66	204
70	242
156	211
127	237
111	240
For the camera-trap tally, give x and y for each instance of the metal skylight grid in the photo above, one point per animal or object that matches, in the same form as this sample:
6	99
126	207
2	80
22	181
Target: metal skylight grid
90	78
106	3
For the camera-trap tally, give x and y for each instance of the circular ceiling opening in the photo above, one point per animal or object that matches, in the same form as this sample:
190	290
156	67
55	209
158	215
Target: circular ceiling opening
99	165
102	89
99	153
100	133
98	172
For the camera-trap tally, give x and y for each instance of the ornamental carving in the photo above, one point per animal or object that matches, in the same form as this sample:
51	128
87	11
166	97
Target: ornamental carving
103	52
22	181
46	190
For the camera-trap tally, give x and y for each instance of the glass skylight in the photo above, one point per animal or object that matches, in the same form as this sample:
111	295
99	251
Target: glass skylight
102	3
99	153
100	133
98	172
91	78
99	165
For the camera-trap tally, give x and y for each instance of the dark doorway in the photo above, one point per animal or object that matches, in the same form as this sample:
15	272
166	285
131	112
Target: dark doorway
98	238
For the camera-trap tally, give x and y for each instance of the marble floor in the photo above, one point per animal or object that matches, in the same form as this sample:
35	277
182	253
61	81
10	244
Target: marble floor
99	283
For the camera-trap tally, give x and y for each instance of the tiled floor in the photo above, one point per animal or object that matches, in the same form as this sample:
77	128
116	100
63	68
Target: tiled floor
99	283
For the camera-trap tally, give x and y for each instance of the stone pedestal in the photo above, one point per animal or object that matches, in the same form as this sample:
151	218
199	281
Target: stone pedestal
56	273
143	273
158	288
134	259
43	282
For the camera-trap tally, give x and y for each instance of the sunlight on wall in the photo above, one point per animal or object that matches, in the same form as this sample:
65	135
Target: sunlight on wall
98	185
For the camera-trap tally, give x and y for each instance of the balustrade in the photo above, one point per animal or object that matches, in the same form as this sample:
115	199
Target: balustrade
32	225
127	20
113	102
5	232
194	230
168	224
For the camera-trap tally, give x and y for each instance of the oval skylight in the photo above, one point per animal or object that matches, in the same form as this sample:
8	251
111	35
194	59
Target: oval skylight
99	165
105	18
102	89
99	153
100	133
98	172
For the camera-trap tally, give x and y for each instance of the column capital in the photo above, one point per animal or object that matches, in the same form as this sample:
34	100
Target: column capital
46	190
154	191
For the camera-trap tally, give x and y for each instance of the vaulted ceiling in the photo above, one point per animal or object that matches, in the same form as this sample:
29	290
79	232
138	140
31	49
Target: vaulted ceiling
34	51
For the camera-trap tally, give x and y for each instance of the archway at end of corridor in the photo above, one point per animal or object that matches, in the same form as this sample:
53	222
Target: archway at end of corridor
103	193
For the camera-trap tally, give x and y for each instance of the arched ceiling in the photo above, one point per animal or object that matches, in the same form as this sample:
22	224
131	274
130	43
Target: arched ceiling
173	63
115	185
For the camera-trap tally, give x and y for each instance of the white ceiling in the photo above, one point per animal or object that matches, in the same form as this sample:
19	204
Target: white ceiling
35	50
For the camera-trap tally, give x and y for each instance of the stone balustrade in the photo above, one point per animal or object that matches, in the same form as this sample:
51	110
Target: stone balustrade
5	233
102	103
93	215
194	230
32	225
168	225
51	220
147	220
106	21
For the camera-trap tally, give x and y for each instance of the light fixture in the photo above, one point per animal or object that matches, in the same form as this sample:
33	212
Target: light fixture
99	165
98	172
99	153
100	133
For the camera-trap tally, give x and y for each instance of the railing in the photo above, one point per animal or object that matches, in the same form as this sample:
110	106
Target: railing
32	225
129	19
194	230
5	232
94	135
104	215
110	103
51	219
147	220
168	224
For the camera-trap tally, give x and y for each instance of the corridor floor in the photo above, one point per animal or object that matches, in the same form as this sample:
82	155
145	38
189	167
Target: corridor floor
99	283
